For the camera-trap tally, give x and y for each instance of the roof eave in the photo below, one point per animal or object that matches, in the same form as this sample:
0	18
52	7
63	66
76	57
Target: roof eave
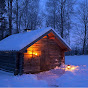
23	49
67	47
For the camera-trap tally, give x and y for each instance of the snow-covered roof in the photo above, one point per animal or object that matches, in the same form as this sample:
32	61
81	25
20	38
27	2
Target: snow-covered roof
16	42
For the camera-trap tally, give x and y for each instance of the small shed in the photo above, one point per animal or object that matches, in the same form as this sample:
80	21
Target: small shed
33	51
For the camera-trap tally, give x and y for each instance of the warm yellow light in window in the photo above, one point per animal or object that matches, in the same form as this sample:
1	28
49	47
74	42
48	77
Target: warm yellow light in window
36	54
29	52
32	53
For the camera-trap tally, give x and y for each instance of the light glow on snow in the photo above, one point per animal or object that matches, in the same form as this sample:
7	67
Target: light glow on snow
71	68
57	77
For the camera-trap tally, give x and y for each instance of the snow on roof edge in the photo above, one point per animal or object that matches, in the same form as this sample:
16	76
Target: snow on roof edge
42	32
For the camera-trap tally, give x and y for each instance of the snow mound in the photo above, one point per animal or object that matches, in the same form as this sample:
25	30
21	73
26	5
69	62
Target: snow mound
26	80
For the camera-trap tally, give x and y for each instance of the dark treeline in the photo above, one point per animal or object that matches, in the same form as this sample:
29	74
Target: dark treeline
68	17
77	51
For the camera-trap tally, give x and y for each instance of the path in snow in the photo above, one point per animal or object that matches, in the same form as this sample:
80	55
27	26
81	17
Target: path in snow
51	76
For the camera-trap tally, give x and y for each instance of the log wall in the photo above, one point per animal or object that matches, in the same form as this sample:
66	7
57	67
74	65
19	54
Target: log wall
45	54
8	61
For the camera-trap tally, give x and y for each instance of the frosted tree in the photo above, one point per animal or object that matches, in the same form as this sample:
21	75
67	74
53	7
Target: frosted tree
83	18
51	7
65	12
3	21
17	17
41	20
59	13
68	14
16	13
28	14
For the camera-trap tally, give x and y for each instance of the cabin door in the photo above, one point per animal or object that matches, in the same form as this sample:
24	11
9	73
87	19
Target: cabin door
44	61
31	65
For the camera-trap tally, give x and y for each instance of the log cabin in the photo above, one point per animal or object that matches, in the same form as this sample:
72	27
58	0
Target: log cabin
33	51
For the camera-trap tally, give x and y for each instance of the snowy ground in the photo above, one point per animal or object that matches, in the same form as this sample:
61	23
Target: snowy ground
77	78
58	77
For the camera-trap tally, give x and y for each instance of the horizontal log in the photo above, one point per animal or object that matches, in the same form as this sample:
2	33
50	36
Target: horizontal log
49	52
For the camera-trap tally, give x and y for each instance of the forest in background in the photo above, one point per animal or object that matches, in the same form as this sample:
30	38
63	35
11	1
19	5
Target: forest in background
68	17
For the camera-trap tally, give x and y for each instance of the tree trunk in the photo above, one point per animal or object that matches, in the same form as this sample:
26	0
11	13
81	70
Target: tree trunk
2	30
85	23
10	17
19	22
84	42
54	14
17	17
62	18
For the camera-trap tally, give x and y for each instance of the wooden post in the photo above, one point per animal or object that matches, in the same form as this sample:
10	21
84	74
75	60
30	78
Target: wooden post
16	63
63	57
21	64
